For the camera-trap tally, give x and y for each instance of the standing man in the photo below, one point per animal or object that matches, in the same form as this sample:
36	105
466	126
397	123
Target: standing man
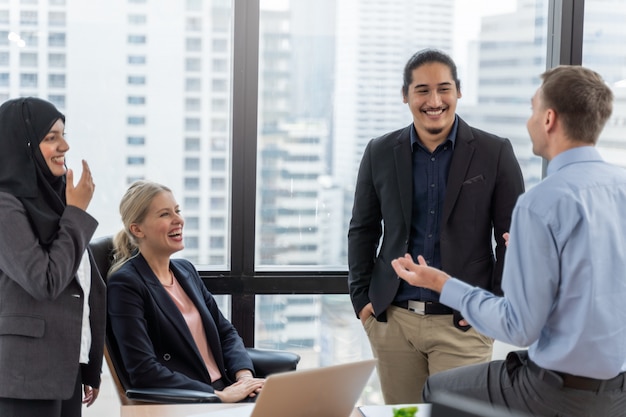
564	277
440	188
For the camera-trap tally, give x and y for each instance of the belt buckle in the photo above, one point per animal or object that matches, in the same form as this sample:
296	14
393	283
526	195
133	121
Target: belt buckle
417	307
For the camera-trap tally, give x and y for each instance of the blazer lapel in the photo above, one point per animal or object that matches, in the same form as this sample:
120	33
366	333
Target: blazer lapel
165	303
404	173
463	153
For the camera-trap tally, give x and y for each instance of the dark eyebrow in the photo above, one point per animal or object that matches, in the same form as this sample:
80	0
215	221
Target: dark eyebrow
444	84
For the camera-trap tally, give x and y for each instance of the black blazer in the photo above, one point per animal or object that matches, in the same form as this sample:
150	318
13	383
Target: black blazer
484	183
155	343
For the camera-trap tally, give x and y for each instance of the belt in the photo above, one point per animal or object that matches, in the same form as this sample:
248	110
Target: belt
576	382
423	307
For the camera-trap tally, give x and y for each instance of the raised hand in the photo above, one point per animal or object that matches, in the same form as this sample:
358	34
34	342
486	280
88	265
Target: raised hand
81	194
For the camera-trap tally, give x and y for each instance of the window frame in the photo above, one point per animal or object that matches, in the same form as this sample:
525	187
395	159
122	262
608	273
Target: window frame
242	281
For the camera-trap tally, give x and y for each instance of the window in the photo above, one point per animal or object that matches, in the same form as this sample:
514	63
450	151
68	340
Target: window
56	19
193	64
192	223
194	24
58	100
192	183
136	120
192	144
56	80
28	17
136	79
137	19
220	45
28	59
56	60
136	59
193	104
193	84
192	164
56	39
193	44
191	203
135	160
192	124
28	80
136	140
136	39
26	39
604	51
136	100
194	5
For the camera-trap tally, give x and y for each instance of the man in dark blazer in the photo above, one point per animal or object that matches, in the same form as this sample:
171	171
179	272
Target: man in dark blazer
437	188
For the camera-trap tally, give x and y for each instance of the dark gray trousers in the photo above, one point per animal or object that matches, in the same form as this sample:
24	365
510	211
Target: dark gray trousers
510	383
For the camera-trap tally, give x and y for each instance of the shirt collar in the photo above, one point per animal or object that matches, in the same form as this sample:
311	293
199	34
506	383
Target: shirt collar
451	136
572	156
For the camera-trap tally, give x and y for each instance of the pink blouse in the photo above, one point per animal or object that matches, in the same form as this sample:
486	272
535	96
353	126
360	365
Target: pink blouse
194	322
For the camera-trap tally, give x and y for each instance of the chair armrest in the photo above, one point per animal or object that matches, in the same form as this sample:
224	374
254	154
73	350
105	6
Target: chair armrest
269	361
171	395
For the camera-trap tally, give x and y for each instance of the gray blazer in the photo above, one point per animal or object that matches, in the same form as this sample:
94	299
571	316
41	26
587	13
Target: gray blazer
41	305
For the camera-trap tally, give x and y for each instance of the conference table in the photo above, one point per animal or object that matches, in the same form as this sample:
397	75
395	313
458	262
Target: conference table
197	410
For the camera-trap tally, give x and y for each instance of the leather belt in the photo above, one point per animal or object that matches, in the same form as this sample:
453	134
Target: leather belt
424	307
576	382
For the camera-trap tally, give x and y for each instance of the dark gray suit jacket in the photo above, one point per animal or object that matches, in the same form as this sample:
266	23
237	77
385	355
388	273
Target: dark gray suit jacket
155	343
41	305
484	183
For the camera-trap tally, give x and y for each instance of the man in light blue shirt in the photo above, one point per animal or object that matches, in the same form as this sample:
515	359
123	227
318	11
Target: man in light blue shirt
564	275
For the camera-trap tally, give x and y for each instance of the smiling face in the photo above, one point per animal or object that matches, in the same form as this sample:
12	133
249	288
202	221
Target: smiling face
161	231
432	96
53	148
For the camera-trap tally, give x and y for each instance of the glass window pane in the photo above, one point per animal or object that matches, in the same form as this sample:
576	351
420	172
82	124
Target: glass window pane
155	97
604	51
326	89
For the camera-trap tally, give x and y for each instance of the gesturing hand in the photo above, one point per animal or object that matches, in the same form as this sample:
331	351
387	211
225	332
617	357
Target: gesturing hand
419	275
81	194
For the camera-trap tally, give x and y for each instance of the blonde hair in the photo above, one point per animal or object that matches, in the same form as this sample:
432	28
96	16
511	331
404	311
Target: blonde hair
133	209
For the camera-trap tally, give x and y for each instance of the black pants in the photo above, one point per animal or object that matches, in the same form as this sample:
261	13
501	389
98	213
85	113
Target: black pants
512	384
72	407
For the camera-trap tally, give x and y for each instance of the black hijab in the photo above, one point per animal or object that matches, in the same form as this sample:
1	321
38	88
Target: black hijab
24	173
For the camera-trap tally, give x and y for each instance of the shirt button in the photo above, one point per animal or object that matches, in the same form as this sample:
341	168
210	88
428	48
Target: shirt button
167	357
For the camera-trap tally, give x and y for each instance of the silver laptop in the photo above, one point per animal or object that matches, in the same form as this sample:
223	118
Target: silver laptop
330	391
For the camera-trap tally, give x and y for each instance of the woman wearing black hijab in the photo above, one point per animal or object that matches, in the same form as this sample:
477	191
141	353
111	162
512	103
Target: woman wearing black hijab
52	301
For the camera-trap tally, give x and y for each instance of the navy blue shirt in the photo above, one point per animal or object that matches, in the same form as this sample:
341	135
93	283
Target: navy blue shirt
430	175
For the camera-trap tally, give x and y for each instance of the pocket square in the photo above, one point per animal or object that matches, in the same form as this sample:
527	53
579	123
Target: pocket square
472	180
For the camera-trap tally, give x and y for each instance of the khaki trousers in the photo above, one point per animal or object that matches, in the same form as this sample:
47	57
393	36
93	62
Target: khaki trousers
410	347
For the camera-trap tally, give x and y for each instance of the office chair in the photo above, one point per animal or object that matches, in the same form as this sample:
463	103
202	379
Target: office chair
265	361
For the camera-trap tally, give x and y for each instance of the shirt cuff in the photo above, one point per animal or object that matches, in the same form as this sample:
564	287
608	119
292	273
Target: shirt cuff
453	292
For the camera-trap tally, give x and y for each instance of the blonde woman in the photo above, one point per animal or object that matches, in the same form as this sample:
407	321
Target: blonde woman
169	328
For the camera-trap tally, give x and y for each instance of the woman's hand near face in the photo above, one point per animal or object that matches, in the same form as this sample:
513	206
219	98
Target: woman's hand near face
81	194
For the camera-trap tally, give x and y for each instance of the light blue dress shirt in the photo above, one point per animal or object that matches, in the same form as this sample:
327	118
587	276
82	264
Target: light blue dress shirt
564	274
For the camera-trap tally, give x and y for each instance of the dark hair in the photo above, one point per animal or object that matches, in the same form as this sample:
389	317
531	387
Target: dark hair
580	97
427	56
